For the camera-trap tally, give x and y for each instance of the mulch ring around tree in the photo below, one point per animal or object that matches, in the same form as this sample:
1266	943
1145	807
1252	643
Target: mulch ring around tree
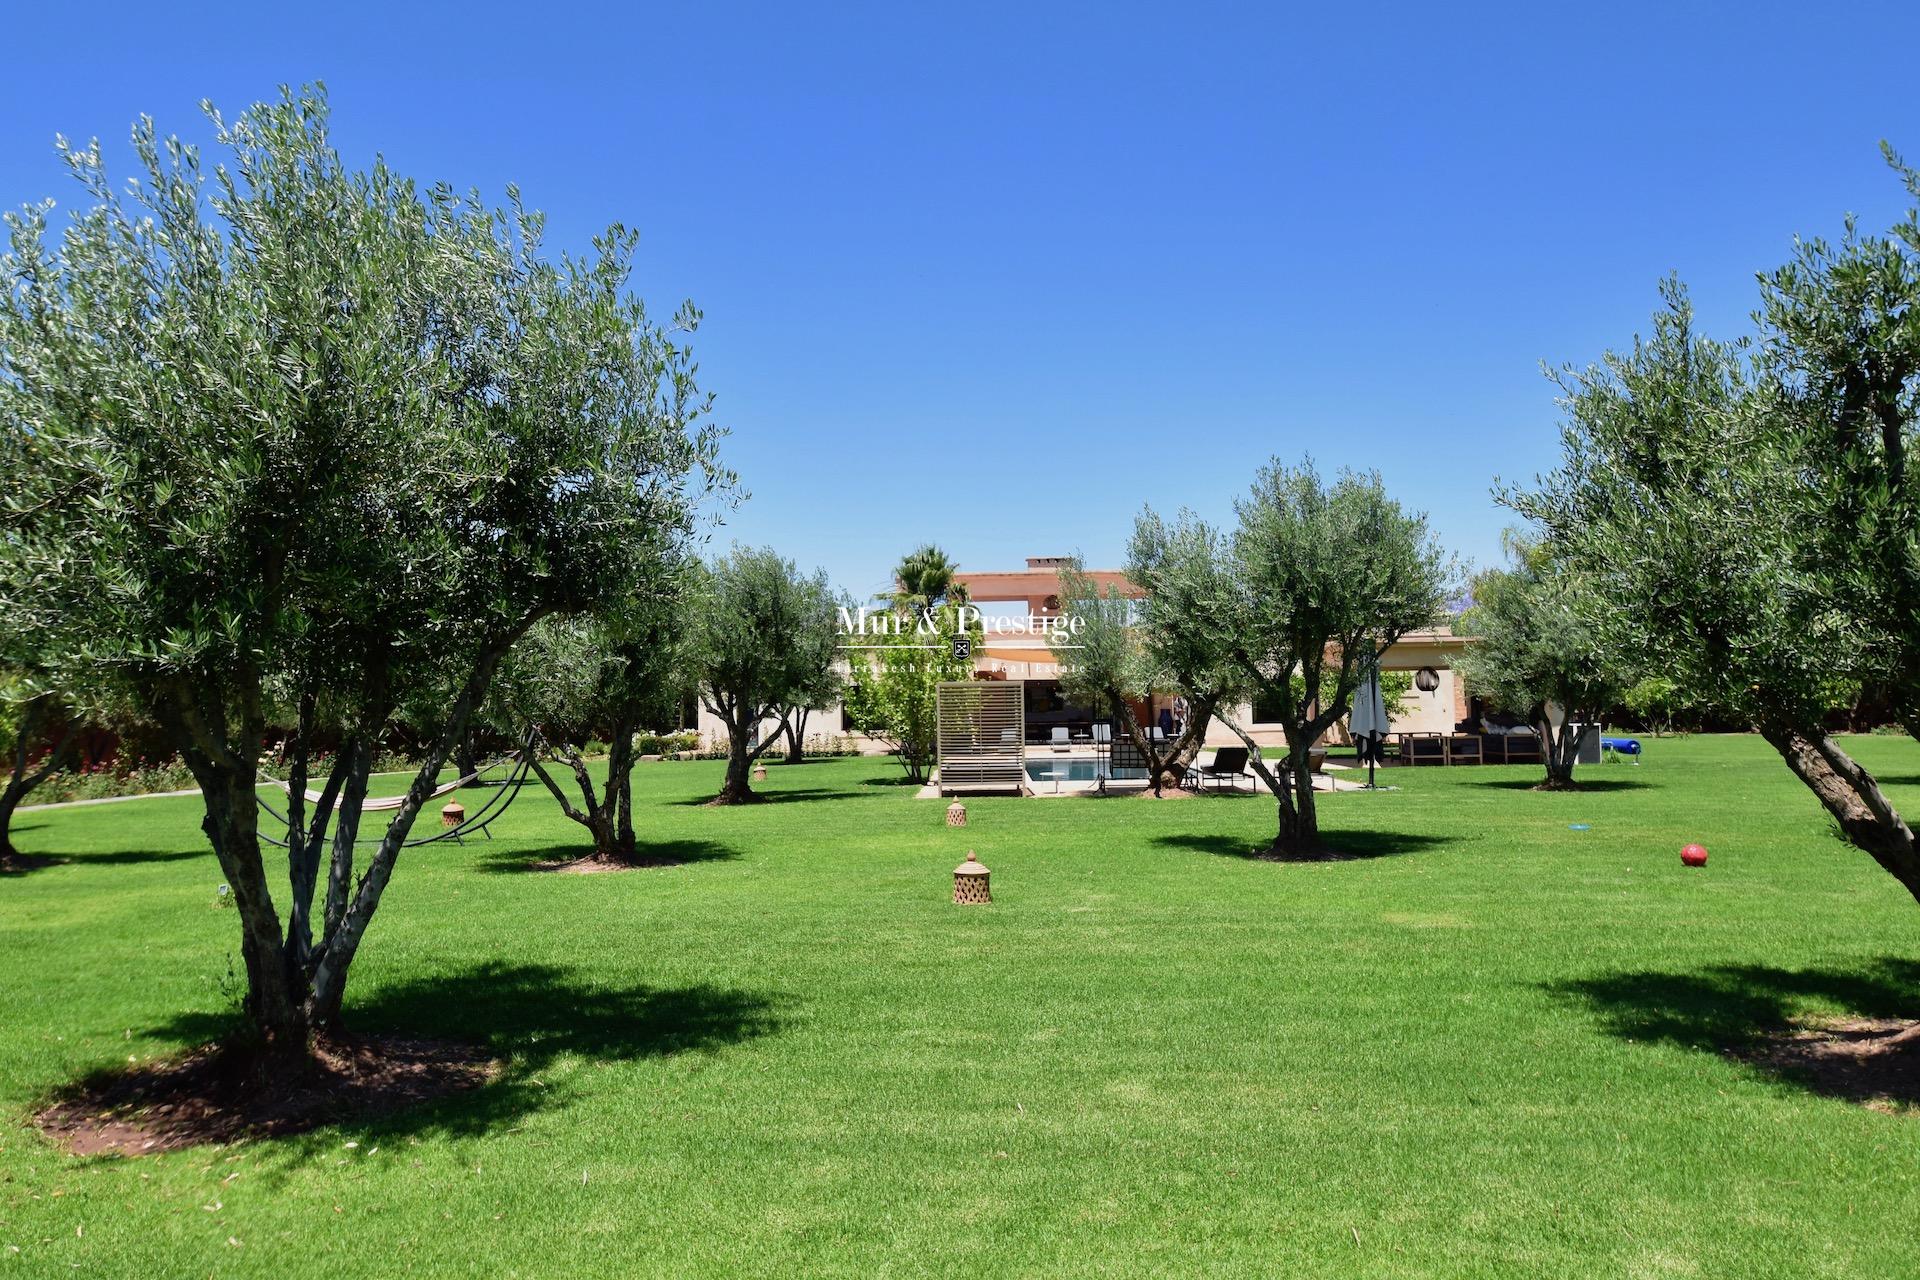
591	866
20	863
1316	853
1872	1061
212	1095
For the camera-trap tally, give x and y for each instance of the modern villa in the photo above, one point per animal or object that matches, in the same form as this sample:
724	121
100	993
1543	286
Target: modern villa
1023	654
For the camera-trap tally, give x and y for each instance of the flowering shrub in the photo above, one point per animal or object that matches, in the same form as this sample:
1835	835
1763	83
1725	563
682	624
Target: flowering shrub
663	744
817	744
104	781
108	780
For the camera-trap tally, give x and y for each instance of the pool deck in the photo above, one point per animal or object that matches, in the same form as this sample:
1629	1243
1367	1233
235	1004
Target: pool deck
1047	788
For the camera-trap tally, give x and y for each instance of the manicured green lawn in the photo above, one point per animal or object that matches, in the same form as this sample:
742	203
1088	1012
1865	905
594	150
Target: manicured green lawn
1491	1050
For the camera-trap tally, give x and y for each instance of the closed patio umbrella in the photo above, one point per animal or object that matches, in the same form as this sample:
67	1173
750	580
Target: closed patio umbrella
1368	722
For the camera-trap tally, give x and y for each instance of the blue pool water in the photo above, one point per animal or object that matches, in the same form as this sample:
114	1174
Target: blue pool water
1062	770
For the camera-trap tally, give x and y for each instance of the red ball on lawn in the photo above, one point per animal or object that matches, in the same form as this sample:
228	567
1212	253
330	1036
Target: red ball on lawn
1694	855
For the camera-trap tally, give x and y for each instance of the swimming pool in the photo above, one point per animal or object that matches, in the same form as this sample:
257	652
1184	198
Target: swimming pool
1068	770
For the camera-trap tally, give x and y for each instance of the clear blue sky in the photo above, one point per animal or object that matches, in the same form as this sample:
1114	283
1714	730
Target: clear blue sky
996	276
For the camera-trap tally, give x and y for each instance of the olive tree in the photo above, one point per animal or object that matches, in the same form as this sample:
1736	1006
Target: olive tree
1118	656
1313	584
307	441
821	685
1747	514
762	632
613	673
1535	648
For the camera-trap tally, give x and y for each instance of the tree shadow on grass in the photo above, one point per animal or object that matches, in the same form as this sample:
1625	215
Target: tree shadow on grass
647	853
1336	846
532	1014
121	857
21	864
1588	786
1764	1016
783	795
530	1017
901	780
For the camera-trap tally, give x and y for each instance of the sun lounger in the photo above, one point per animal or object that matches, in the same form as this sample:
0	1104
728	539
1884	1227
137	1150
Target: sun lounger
1229	766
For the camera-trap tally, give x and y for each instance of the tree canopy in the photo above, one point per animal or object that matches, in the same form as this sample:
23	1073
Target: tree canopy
927	576
1315	581
1537	647
611	674
763	633
1119	656
304	440
1746	513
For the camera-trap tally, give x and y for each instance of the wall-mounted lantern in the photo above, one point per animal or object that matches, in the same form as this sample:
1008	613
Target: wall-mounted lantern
1426	680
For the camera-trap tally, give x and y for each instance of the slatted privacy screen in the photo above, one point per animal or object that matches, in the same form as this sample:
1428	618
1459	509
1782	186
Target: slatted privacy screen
983	735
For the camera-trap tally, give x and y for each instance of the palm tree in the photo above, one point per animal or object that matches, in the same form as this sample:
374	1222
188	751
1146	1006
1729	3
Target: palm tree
925	579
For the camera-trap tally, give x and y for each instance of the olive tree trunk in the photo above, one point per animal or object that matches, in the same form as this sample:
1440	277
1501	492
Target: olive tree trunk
1299	831
274	1004
606	812
334	958
794	725
1167	761
1560	751
742	716
1852	797
295	982
738	788
24	777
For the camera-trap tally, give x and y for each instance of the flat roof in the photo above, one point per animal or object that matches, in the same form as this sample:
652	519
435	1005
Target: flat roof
1023	584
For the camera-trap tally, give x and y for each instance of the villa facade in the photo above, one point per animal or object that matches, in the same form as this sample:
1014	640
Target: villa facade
1035	592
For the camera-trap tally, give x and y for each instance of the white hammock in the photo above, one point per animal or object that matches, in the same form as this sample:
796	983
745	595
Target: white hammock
376	805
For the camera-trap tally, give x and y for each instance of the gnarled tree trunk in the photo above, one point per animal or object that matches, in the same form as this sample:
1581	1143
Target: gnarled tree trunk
742	716
327	982
24	777
738	788
465	761
1299	831
794	725
1853	798
606	813
295	983
1561	751
274	1004
1167	762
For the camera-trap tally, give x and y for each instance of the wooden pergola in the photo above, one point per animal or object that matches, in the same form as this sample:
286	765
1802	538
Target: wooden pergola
982	736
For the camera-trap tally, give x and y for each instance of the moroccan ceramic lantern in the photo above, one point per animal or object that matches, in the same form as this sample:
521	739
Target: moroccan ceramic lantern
759	773
970	882
956	814
453	814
